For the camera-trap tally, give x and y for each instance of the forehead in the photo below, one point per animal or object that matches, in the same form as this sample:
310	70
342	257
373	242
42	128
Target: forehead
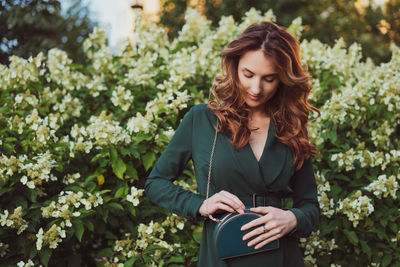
257	62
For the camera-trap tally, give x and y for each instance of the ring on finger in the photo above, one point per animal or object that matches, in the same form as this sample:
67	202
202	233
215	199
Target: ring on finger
264	229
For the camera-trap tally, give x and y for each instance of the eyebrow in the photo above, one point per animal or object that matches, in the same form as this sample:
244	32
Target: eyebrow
266	75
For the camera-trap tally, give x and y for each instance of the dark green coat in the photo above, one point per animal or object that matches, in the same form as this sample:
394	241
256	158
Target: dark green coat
238	172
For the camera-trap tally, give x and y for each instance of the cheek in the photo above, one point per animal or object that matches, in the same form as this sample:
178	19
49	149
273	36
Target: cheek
242	80
271	88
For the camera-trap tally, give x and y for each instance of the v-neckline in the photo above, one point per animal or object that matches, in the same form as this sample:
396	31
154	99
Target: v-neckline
266	144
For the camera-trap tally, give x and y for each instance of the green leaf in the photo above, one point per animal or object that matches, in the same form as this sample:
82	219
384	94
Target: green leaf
386	260
105	252
197	236
116	206
366	248
132	172
98	156
351	235
33	195
114	155
176	259
79	229
89	225
119	168
148	160
120	192
4	190
130	262
45	255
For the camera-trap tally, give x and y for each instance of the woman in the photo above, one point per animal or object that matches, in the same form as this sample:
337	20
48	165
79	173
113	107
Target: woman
262	148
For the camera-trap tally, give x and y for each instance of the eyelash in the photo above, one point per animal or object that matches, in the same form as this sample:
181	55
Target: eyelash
269	81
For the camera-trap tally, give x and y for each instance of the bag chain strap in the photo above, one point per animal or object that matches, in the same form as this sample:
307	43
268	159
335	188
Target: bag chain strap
209	172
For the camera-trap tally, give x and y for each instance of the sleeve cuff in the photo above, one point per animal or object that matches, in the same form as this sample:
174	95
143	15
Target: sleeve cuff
194	214
300	222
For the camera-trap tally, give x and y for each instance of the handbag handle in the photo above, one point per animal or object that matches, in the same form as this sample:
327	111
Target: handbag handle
209	171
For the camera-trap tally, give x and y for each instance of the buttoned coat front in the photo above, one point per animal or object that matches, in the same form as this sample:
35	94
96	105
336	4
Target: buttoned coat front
236	171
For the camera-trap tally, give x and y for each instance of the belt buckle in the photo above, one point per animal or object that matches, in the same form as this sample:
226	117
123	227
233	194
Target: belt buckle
255	198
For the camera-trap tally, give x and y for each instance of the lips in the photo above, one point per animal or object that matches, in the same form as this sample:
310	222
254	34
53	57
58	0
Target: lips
253	97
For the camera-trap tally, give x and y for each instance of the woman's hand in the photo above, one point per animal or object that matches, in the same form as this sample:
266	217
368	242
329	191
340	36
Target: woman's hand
273	225
222	200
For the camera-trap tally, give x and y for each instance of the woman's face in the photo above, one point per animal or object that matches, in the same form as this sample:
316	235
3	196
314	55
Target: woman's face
258	77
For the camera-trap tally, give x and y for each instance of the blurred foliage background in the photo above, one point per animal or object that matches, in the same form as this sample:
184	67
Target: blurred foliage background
28	27
375	26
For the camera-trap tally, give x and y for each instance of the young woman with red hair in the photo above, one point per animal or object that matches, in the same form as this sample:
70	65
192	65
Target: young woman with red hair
262	149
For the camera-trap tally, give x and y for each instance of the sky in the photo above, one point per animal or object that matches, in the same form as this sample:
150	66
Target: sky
114	13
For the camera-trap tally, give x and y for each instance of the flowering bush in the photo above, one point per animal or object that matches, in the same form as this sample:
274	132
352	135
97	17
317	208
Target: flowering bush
77	143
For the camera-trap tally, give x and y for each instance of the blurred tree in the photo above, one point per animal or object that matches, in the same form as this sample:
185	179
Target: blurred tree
30	26
364	22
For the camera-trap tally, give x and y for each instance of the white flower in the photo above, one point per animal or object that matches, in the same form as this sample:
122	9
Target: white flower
180	225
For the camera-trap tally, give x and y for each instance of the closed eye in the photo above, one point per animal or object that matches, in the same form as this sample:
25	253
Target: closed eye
270	80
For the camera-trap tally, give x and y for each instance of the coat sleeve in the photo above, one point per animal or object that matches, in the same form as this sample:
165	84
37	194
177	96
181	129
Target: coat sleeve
159	185
305	200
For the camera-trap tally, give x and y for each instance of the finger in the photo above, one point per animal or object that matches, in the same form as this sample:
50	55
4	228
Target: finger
256	232
238	203
227	199
263	239
266	241
253	223
221	206
261	209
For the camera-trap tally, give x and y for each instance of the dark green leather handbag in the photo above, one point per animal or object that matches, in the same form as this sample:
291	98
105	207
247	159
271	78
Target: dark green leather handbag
227	235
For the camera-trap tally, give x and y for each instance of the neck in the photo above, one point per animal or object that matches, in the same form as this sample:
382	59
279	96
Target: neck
258	114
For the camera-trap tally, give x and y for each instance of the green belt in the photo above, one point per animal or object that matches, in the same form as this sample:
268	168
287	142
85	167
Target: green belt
262	199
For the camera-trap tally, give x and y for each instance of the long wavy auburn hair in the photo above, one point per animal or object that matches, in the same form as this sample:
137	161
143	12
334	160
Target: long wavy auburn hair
288	108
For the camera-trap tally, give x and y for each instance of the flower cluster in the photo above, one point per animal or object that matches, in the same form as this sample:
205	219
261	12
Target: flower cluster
122	98
101	131
326	204
143	71
174	223
384	186
315	245
4	248
68	106
14	220
133	197
356	207
45	128
365	158
195	29
29	263
149	37
51	237
151	234
66	204
8	166
60	72
71	178
36	170
21	72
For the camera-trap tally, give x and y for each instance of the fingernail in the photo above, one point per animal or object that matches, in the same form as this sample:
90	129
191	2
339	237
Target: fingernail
242	228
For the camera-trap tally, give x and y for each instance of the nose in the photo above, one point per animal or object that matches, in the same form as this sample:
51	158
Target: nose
255	88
